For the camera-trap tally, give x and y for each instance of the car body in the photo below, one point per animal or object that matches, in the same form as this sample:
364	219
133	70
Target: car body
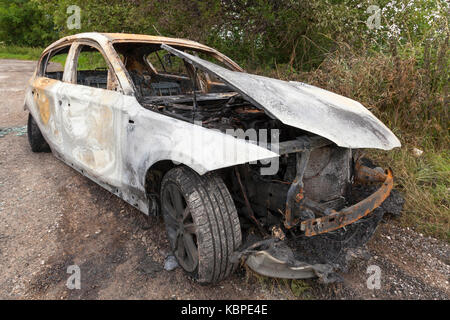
261	145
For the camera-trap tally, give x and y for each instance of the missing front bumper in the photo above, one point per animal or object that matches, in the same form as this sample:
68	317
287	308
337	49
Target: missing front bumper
346	216
277	259
329	219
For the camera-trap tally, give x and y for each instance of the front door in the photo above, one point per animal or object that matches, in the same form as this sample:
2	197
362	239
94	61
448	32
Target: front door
91	115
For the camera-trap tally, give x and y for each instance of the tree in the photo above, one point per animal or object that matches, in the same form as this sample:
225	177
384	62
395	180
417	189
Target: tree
23	23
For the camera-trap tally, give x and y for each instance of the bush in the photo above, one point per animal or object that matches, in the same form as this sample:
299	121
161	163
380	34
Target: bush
23	23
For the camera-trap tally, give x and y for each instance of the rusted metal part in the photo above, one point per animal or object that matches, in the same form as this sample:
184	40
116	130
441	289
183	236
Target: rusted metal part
295	192
296	199
351	214
364	174
329	220
123	37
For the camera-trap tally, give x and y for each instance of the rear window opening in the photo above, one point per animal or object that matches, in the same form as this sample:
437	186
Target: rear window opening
93	70
53	63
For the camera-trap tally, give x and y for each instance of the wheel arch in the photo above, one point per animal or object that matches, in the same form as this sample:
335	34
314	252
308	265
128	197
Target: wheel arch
155	173
157	170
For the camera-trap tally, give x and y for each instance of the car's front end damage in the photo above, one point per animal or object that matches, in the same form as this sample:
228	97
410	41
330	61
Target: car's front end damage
312	192
305	220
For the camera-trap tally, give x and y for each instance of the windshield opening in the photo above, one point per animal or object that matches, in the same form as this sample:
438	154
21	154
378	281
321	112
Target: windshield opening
158	73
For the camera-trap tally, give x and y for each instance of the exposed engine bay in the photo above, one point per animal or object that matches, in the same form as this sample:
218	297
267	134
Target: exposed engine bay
218	111
327	176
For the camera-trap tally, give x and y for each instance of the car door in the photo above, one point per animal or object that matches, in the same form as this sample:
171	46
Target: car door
45	95
91	101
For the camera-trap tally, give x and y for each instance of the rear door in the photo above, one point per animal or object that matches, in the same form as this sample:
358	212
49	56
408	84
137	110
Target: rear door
46	108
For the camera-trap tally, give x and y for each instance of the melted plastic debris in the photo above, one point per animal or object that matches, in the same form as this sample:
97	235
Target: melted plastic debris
333	247
170	263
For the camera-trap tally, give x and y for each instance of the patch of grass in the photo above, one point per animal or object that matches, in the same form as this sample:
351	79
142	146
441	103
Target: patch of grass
20	53
300	289
425	182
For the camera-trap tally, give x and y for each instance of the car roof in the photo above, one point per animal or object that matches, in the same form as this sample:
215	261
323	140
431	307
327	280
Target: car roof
127	37
103	38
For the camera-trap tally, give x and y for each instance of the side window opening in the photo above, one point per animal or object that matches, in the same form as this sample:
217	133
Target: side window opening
93	70
166	63
52	64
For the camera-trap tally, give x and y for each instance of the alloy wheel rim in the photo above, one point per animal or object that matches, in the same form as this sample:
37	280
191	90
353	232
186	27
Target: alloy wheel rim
180	227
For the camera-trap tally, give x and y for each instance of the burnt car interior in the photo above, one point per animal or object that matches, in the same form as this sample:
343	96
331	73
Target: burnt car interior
98	77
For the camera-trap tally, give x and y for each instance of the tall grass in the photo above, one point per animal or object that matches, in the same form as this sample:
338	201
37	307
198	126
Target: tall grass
425	183
19	53
408	91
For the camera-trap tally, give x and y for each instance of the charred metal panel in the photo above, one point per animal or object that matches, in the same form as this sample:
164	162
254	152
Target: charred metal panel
90	118
153	137
328	173
46	113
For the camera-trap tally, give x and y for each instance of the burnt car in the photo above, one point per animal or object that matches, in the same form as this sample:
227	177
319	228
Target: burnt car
240	166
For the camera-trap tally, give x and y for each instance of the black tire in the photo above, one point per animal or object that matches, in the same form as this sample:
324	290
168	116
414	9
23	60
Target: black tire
206	205
35	138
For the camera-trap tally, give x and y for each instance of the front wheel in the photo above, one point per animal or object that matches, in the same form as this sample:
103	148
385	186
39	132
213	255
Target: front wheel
201	222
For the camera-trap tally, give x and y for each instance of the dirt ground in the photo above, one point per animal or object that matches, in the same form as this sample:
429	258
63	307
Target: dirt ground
51	217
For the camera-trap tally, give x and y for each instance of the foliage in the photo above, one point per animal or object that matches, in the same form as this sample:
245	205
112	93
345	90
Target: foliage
22	23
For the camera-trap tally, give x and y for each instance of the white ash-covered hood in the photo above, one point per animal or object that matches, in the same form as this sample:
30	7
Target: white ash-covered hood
342	120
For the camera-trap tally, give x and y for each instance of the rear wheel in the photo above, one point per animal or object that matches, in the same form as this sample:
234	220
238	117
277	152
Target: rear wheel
35	138
201	223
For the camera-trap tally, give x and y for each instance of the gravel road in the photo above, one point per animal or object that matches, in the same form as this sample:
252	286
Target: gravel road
51	217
